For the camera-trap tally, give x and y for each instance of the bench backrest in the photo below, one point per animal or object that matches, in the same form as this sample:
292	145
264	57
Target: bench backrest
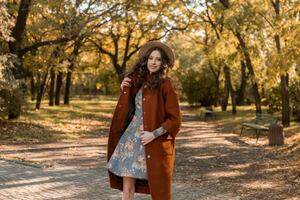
264	119
209	108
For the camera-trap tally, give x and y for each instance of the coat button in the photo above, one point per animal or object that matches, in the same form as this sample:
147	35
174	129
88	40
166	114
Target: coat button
145	86
125	92
144	112
148	156
120	106
144	99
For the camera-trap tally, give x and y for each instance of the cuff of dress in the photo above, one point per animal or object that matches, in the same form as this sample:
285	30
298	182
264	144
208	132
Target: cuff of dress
158	132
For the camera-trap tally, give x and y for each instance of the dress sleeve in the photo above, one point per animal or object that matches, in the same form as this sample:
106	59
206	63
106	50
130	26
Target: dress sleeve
158	132
172	122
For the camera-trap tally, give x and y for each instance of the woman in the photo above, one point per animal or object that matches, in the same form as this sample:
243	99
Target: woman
141	143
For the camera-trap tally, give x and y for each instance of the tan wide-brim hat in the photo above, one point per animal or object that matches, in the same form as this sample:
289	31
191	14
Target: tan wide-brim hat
163	46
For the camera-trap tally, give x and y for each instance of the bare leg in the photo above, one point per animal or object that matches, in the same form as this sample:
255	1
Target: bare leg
128	188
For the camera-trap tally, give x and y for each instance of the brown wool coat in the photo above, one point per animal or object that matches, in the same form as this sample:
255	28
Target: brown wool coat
160	108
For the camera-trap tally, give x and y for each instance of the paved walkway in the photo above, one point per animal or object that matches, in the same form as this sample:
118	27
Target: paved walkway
20	182
209	165
74	171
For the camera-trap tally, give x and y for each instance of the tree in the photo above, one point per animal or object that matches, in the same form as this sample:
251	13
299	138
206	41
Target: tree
281	19
8	83
227	46
60	23
133	25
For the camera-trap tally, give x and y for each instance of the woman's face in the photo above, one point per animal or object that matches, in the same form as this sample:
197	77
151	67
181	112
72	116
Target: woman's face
154	61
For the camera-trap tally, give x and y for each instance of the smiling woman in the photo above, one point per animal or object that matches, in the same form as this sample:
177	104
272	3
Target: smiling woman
137	143
154	61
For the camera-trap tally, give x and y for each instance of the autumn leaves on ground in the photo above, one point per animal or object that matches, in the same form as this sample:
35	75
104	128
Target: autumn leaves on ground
209	154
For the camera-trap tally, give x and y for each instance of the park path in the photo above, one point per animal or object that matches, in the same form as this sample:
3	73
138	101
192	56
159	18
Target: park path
209	165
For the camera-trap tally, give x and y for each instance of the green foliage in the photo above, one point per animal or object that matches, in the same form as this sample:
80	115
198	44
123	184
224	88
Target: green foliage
197	81
273	100
102	82
273	97
108	82
11	101
295	97
199	87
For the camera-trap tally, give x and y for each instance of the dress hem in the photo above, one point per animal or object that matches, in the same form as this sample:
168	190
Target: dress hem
136	177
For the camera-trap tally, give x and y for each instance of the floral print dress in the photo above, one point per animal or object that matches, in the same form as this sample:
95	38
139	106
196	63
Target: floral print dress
129	159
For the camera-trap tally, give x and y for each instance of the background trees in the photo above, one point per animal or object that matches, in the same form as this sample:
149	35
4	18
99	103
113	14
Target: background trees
247	38
228	51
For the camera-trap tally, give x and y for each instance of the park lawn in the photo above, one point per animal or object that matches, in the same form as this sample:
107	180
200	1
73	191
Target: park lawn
83	117
91	117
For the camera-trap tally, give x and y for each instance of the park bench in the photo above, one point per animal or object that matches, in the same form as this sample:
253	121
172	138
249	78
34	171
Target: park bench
208	112
262	123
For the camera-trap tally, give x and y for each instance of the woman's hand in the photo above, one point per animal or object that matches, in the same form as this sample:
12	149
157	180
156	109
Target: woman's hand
126	82
146	137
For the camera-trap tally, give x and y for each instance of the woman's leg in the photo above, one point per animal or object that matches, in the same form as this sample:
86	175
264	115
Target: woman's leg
128	188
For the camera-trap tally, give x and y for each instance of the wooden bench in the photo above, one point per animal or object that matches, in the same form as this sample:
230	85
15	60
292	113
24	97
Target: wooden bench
208	112
262	123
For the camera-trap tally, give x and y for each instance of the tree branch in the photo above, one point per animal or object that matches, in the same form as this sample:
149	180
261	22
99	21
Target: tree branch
45	43
101	49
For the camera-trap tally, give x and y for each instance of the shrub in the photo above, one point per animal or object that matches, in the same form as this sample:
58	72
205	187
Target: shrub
199	87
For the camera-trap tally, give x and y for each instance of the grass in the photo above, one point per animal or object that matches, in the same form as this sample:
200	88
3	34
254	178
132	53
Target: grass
55	123
87	116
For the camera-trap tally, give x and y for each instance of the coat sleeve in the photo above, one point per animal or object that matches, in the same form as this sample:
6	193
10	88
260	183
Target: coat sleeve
172	121
133	78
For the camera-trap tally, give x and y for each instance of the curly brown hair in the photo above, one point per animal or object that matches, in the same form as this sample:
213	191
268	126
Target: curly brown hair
141	70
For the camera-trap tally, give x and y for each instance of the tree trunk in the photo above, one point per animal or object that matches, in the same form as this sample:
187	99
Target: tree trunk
230	88
284	83
32	88
226	92
120	71
251	72
241	91
44	81
41	91
18	33
14	108
233	101
242	43
298	112
68	84
38	83
52	86
70	71
263	91
216	74
59	80
218	93
284	78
